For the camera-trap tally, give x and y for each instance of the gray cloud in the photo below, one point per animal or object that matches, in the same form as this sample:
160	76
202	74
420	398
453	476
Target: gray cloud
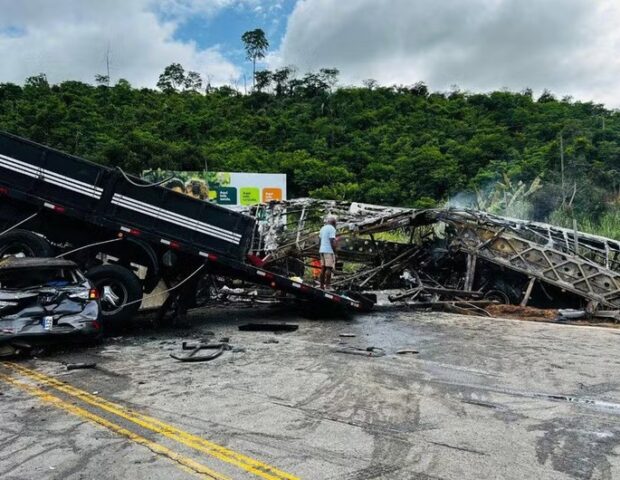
569	46
68	39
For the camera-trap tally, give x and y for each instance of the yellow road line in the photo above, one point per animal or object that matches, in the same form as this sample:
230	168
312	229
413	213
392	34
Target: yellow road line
186	463
220	452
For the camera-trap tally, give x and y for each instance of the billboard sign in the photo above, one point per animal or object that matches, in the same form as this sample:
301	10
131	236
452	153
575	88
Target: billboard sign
229	189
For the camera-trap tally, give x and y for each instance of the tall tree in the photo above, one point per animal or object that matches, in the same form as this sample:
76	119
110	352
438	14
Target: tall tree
256	44
280	77
329	76
172	79
263	79
37	81
192	81
370	83
103	80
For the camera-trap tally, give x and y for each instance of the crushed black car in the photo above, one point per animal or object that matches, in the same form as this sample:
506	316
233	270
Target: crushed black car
43	300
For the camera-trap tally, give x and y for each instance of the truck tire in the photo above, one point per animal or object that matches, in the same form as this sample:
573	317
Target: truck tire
117	286
24	243
503	292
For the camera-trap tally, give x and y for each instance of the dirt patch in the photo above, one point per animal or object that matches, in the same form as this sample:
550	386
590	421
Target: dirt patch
523	313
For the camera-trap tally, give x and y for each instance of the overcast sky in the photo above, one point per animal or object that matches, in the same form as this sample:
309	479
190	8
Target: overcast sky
571	47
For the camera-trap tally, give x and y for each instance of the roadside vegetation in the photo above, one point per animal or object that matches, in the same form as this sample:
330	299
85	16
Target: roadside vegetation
542	157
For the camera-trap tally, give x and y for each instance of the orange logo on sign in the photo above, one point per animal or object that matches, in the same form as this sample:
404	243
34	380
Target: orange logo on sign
272	194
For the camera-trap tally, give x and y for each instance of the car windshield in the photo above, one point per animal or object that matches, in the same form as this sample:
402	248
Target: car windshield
39	277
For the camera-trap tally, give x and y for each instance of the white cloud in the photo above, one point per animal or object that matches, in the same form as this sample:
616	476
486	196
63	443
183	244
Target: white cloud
68	39
187	8
569	46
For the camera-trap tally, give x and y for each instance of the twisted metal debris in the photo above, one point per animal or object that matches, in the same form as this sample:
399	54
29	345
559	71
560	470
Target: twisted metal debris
439	254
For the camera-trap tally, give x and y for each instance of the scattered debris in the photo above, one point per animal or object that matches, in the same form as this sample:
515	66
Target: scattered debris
79	366
268	327
365	352
442	304
218	348
613	315
452	259
272	340
347	335
571	314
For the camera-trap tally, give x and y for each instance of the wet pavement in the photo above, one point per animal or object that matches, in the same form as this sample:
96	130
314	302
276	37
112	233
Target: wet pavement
483	399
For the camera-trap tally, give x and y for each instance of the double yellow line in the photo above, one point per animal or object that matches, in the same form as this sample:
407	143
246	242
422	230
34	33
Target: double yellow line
171	432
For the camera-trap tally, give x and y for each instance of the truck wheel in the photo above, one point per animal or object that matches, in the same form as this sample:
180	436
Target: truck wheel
117	286
503	293
24	243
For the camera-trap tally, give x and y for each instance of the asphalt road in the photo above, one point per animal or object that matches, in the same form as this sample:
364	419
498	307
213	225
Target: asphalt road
483	399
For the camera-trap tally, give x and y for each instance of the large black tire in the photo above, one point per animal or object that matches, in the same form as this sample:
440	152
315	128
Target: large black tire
24	243
117	286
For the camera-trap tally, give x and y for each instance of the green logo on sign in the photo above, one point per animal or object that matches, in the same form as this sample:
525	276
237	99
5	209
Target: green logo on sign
249	195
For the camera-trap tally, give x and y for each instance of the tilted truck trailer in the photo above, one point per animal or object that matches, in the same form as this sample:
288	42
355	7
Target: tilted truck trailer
114	225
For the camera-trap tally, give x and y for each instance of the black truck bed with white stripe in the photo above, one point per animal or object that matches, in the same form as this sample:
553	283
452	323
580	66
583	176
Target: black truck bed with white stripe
104	197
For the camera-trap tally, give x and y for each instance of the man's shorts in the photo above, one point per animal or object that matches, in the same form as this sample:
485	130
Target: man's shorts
328	260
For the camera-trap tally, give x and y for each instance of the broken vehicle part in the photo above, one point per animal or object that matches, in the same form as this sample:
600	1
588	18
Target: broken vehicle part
446	255
572	261
364	352
193	356
80	366
268	327
43	300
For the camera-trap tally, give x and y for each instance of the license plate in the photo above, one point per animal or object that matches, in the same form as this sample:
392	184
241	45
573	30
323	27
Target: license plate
48	322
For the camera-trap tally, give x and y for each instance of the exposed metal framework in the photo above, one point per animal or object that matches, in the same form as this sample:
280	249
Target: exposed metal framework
443	250
567	259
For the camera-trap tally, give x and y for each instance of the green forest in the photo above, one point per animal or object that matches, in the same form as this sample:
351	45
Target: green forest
540	157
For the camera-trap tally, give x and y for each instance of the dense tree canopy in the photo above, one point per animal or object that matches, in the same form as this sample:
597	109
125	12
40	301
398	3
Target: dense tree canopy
397	145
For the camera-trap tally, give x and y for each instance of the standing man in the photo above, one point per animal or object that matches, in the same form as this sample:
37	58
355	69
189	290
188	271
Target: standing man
327	250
